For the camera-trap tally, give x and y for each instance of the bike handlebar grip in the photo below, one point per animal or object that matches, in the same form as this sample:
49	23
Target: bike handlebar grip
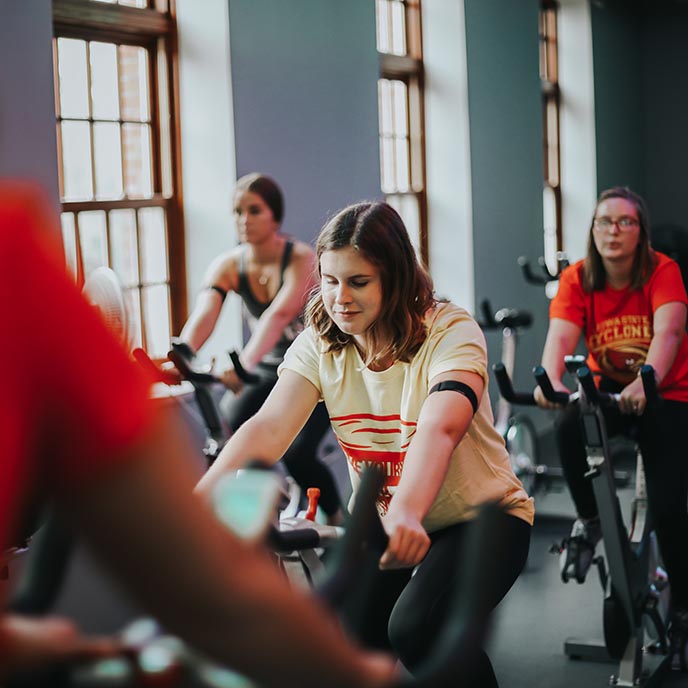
293	540
506	388
528	274
183	348
489	323
647	375
181	363
588	384
242	373
548	391
360	549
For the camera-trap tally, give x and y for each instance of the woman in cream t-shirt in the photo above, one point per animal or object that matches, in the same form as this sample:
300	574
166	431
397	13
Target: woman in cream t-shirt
404	379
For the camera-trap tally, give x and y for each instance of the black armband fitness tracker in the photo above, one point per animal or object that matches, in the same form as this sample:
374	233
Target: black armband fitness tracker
461	388
222	292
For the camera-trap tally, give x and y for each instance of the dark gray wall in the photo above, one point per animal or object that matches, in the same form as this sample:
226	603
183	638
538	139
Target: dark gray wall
506	163
640	53
665	78
304	76
27	103
620	100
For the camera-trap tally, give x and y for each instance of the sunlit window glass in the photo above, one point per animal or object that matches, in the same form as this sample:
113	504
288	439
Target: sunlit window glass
73	78
104	80
124	246
156	319
116	141
400	107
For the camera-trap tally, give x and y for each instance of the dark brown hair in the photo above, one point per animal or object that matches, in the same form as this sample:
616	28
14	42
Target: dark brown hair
377	232
594	274
267	188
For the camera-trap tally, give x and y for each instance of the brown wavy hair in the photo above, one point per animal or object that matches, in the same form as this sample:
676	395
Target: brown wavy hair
376	231
594	275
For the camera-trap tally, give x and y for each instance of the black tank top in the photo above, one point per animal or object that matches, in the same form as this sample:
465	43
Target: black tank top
253	308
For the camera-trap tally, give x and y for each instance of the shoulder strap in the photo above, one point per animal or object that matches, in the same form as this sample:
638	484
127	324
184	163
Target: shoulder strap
286	256
242	276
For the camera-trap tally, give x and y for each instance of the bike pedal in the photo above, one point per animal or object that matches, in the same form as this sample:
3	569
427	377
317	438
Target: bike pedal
556	548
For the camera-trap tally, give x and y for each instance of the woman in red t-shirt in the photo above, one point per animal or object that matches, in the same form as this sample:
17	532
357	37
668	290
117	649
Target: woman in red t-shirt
629	302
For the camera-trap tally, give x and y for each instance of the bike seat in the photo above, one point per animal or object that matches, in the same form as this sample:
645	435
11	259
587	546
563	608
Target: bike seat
512	317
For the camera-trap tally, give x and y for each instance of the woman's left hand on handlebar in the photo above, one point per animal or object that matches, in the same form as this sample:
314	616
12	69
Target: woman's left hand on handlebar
408	542
632	399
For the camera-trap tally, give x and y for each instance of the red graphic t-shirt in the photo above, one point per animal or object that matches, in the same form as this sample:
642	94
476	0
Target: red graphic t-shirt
617	323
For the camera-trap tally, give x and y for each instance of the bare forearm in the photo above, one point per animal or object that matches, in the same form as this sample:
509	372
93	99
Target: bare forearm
425	468
562	339
265	336
662	352
202	320
553	360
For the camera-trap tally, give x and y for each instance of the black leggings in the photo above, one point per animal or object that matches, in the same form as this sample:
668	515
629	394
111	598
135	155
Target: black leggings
301	458
661	436
408	611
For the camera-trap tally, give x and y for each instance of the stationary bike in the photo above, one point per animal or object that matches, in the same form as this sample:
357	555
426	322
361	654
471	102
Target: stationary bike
636	602
517	429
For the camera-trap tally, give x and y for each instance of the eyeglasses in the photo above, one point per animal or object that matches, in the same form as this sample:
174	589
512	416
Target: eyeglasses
625	224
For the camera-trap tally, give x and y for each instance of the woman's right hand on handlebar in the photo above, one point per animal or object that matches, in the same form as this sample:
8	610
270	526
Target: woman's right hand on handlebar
545	403
408	541
231	380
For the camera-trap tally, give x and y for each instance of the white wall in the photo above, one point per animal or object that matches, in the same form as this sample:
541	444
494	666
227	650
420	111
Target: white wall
448	165
578	156
208	164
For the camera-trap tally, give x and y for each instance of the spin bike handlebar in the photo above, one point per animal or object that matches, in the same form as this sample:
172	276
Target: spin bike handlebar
506	388
592	394
547	276
504	317
542	378
182	355
585	376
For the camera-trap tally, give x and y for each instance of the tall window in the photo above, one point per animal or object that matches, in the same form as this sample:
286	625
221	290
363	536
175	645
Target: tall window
400	99
549	78
117	147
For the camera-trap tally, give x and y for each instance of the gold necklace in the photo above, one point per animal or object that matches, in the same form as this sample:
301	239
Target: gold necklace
263	279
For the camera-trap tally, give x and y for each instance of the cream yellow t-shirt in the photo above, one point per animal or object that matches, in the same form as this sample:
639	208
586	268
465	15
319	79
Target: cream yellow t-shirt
374	416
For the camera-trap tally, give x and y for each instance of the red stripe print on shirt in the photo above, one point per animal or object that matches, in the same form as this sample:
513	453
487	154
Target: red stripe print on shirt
370	439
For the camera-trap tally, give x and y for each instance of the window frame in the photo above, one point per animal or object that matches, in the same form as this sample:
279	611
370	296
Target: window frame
551	107
156	32
409	69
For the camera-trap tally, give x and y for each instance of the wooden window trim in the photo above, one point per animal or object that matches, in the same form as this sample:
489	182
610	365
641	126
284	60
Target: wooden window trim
549	85
144	27
409	69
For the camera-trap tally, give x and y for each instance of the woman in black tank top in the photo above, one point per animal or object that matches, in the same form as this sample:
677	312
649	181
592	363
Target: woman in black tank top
273	276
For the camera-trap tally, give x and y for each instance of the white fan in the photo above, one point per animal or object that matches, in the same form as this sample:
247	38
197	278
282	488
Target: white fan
104	291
